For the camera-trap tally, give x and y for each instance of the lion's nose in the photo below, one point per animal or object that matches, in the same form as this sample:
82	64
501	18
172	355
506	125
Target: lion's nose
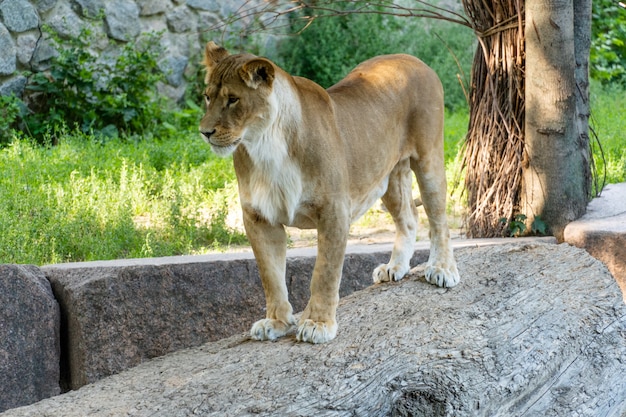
208	134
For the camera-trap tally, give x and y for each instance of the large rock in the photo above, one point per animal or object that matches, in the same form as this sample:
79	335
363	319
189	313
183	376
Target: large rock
602	231
90	8
181	19
208	5
29	337
8	56
19	15
152	7
26	45
43	56
14	86
122	19
173	66
65	22
532	329
45	5
119	314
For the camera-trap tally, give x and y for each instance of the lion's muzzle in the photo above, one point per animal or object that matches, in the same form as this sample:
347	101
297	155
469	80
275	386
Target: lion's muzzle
208	134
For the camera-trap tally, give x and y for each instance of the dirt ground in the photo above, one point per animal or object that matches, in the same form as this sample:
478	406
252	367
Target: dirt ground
375	227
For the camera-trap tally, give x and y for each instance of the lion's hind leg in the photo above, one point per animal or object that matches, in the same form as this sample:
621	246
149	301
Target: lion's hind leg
399	201
441	268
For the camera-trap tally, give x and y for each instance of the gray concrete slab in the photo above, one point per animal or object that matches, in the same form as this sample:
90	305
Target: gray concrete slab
246	253
602	231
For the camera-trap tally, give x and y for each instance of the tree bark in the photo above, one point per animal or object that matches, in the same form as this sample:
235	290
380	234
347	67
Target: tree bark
582	47
556	174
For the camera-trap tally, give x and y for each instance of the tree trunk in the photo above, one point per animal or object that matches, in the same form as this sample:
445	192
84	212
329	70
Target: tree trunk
532	330
556	175
582	47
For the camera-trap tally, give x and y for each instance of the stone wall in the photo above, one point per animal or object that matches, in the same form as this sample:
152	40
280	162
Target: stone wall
25	47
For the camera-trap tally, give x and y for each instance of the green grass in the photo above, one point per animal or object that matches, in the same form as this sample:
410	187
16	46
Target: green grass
83	200
608	119
454	136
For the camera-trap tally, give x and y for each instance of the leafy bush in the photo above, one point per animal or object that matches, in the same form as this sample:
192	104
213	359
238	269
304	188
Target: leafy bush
10	111
96	94
608	42
327	50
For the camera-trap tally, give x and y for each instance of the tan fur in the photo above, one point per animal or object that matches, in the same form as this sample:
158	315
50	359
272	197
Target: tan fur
314	158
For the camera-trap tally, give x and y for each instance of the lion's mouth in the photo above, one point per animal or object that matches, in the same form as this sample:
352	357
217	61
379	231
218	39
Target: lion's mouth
229	145
224	149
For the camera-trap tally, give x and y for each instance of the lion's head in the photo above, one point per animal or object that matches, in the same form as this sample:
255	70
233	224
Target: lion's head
237	95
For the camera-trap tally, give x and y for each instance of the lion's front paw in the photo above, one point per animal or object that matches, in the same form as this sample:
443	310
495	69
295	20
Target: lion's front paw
385	273
270	329
316	332
442	276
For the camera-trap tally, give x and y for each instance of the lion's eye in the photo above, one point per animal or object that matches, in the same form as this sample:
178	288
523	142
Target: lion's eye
232	100
207	99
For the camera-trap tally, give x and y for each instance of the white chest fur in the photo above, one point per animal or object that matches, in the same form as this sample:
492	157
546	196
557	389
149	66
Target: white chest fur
275	180
276	190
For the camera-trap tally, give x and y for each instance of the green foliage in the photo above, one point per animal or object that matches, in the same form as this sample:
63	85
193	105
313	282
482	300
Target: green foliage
10	111
539	227
452	45
106	95
88	198
85	199
516	226
332	45
455	130
608	44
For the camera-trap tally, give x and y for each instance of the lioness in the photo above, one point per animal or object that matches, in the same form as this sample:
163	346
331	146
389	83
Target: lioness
314	158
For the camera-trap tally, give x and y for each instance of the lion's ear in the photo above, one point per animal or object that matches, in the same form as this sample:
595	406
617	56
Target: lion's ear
213	54
257	72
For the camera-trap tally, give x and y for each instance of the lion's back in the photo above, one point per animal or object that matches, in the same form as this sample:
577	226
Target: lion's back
392	75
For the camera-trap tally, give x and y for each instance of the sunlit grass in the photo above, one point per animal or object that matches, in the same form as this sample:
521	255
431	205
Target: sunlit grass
83	200
608	119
